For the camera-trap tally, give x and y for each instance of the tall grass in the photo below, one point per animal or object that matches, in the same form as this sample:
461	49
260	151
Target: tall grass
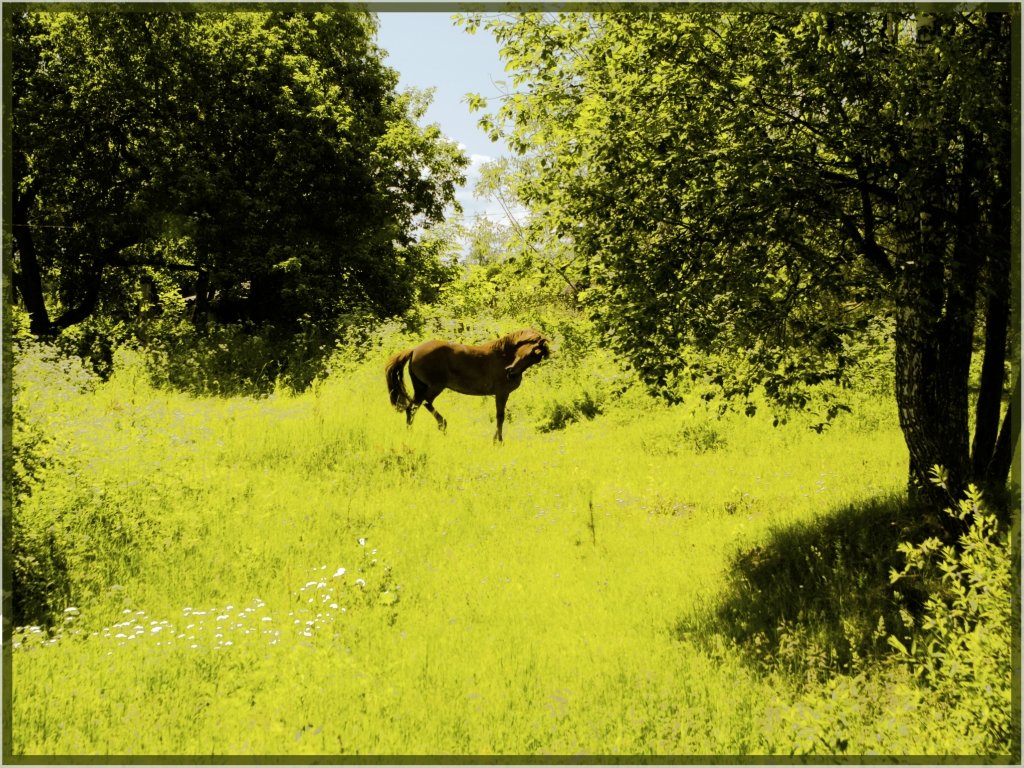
301	574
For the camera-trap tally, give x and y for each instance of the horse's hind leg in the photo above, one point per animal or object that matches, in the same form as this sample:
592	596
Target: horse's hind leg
441	423
410	412
424	394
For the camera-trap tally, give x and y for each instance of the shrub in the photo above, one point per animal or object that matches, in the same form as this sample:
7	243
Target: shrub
702	437
76	524
42	381
40	573
231	359
558	414
581	380
963	647
700	433
873	368
948	688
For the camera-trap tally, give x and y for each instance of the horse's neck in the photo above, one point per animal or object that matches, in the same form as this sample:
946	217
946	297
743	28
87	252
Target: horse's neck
506	343
499	346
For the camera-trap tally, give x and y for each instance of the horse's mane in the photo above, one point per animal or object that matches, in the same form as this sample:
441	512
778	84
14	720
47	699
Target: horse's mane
514	339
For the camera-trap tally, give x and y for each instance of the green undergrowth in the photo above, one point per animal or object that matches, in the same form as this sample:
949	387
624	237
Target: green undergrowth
300	574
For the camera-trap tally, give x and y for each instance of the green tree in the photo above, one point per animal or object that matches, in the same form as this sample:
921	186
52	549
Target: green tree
488	241
264	160
753	186
529	234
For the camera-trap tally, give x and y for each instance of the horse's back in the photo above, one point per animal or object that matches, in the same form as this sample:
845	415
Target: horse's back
471	370
437	350
428	348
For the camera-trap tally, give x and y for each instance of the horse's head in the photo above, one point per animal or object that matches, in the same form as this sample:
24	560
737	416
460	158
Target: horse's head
530	347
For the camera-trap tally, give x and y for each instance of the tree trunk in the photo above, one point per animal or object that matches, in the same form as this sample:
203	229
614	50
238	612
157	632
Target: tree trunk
932	405
933	356
936	293
933	353
934	333
998	469
27	279
201	307
1001	274
94	282
997	322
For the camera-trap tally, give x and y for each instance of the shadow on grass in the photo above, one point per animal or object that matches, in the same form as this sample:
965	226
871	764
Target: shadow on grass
816	598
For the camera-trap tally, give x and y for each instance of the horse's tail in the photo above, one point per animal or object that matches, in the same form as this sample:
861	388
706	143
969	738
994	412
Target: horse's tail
396	386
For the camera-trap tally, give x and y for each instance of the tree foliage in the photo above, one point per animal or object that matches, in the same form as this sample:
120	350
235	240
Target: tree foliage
756	186
260	160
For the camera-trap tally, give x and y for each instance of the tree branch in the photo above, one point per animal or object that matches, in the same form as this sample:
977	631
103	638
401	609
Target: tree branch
872	251
116	260
887	195
87	305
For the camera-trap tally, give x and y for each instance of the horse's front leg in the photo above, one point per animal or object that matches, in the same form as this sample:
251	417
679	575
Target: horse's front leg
499	403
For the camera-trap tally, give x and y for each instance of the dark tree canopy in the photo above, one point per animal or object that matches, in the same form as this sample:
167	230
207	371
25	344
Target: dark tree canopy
753	186
262	160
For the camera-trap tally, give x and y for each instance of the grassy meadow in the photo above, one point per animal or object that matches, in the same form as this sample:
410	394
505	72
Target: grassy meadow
299	574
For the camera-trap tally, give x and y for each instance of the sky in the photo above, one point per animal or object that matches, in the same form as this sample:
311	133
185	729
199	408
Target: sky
429	50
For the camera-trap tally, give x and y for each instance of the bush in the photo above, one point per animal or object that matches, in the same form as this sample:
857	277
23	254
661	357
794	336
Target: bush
581	381
948	690
873	369
699	434
558	414
76	525
40	573
232	359
963	647
43	380
220	358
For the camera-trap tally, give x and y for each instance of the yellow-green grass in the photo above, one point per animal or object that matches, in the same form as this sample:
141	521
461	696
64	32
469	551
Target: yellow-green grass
311	577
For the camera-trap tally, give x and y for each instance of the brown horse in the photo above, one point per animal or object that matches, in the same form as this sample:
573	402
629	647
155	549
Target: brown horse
495	368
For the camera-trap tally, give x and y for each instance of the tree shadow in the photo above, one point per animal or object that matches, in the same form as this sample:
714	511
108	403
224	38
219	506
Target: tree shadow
816	598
